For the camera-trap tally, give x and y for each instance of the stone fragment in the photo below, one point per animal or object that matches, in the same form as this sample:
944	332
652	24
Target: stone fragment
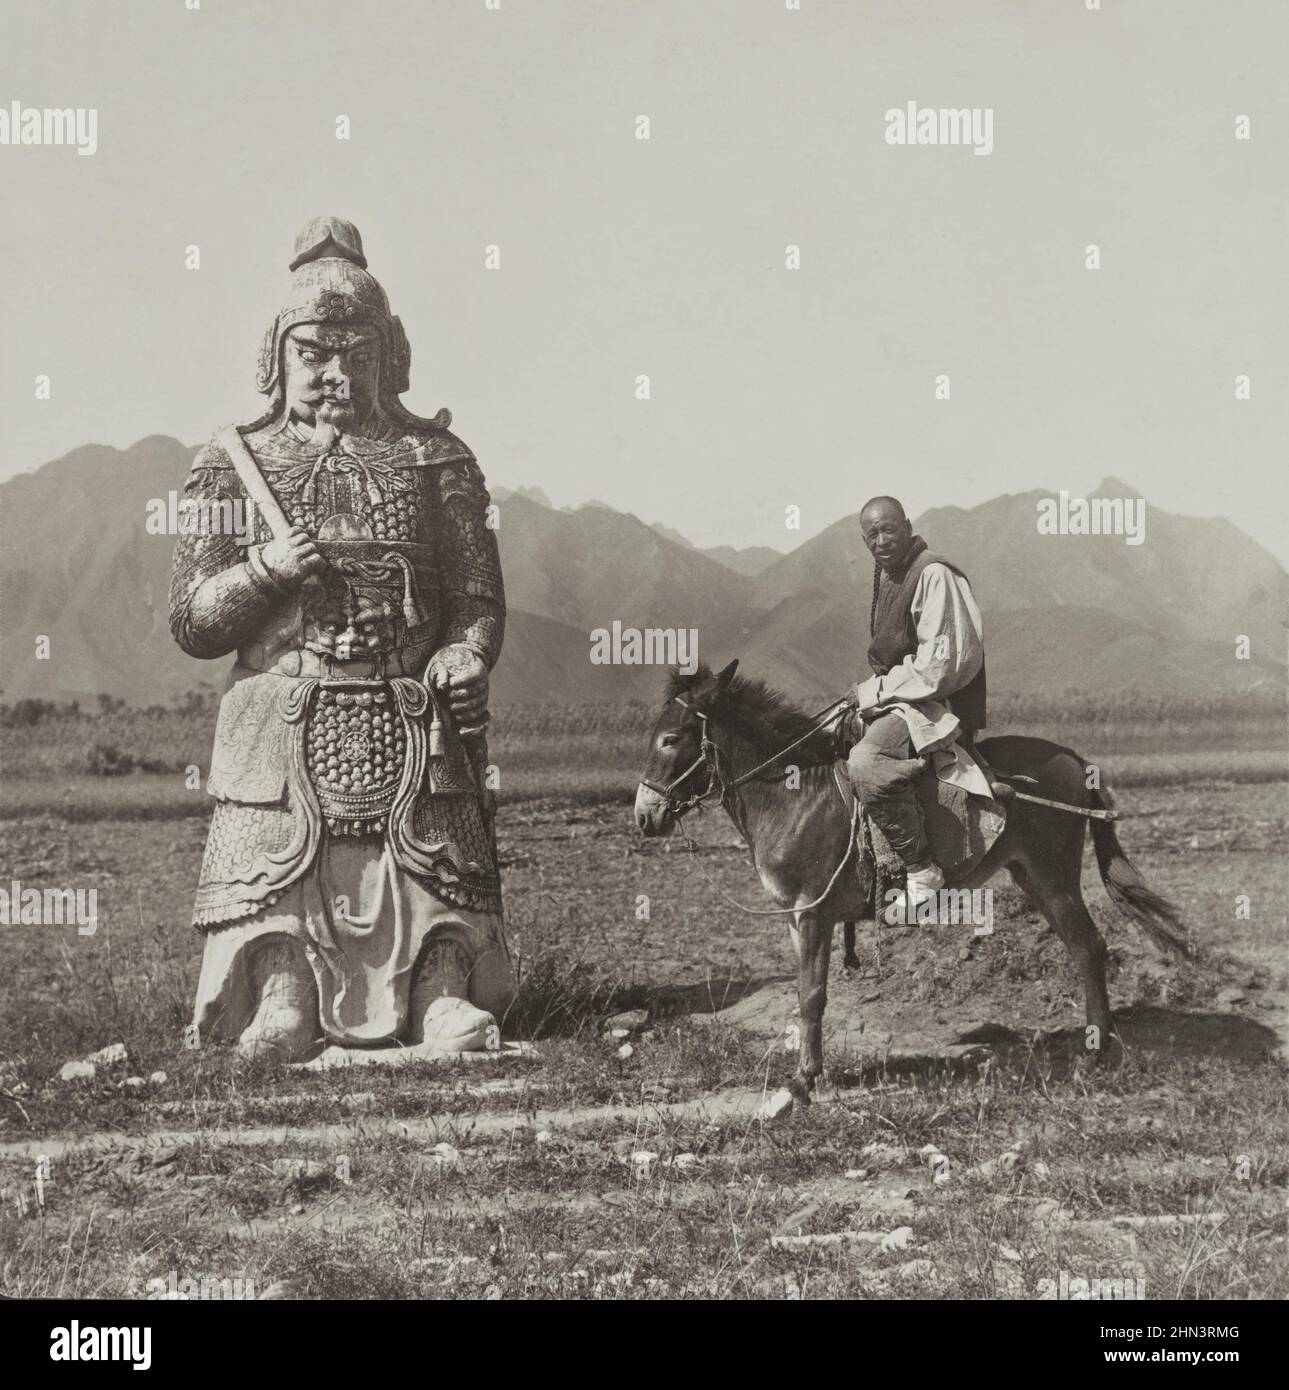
773	1106
299	1168
631	1021
898	1239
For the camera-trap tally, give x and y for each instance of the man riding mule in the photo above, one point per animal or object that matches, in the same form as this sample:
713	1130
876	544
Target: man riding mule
927	693
729	740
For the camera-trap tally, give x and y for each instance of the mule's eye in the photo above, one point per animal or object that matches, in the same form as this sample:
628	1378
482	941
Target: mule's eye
668	740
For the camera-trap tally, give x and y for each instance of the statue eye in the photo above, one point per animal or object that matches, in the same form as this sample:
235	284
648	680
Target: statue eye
309	355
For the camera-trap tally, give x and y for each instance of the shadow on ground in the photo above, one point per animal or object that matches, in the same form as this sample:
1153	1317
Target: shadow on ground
901	1039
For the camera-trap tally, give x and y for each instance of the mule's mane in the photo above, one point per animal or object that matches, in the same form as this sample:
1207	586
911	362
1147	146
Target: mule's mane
764	717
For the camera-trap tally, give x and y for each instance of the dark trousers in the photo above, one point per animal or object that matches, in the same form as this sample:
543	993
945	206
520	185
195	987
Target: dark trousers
882	767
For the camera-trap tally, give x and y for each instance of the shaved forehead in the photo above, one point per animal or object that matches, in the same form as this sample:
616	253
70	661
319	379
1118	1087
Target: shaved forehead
874	503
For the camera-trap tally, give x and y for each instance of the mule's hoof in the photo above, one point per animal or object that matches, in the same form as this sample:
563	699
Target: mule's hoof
802	1089
1111	1054
775	1106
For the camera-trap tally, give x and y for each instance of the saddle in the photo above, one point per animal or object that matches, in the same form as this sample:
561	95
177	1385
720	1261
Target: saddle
961	827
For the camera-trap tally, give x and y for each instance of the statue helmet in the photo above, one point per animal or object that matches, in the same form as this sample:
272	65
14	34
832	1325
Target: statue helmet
330	285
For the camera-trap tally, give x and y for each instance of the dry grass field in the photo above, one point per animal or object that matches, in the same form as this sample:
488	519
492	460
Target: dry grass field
961	1147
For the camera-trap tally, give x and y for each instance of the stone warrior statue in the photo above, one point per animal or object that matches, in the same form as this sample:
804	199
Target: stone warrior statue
349	891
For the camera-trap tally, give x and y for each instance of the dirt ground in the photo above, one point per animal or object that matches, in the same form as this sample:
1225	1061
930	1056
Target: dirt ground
960	1148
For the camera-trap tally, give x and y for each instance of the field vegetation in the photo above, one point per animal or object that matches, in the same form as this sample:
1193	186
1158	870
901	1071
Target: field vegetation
961	1146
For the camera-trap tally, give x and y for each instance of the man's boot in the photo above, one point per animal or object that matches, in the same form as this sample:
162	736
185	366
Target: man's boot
286	1022
440	1013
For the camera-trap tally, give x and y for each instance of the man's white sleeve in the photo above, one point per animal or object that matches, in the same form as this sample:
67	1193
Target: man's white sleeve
950	644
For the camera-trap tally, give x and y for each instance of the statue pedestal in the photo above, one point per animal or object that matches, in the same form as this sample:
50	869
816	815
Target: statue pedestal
418	1054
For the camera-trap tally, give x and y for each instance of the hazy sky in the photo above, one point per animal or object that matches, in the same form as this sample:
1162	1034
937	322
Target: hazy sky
770	387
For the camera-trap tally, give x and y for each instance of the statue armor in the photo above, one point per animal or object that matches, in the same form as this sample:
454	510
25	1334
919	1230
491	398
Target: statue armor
337	773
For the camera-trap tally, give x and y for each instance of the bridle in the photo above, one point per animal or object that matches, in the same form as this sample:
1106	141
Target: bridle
709	756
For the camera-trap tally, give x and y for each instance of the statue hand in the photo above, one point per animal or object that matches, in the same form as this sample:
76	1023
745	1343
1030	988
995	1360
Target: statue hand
294	560
463	674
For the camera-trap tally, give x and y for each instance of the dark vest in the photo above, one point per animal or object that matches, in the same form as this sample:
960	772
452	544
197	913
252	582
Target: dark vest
895	633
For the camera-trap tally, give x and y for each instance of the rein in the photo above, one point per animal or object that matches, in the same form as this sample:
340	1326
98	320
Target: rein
709	756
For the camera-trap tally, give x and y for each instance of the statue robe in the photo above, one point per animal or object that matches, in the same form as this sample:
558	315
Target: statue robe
349	814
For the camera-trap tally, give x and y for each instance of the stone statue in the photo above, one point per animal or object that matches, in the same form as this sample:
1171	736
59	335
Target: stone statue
349	892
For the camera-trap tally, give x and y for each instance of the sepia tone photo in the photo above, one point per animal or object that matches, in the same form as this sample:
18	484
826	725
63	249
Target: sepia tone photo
643	657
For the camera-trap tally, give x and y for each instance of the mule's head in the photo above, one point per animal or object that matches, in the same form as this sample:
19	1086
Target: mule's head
676	771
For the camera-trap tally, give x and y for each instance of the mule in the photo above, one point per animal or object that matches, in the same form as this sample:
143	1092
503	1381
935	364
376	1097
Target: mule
715	729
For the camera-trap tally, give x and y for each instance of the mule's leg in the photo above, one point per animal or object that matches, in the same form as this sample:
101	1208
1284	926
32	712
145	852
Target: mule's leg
1070	919
850	960
813	940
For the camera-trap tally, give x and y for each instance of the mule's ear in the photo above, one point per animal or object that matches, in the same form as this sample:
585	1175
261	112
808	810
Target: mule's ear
711	686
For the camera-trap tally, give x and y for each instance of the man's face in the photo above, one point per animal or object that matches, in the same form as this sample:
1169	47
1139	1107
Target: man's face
887	533
332	376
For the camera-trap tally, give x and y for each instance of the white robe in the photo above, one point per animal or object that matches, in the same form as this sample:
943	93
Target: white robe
950	651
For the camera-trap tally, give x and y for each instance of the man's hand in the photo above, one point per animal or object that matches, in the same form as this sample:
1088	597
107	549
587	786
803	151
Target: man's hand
864	696
294	560
463	674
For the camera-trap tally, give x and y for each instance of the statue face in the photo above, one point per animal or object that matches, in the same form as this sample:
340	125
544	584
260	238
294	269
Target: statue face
332	376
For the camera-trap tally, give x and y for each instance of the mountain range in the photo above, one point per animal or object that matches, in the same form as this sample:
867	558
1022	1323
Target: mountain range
1061	612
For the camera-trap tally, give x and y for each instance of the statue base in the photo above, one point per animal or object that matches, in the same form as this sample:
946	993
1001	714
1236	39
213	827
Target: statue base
417	1054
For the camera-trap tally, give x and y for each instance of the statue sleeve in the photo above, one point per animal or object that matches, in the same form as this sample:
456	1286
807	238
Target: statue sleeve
470	568
221	594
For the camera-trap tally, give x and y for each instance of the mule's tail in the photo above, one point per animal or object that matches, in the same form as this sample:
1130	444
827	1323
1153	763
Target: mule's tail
1127	888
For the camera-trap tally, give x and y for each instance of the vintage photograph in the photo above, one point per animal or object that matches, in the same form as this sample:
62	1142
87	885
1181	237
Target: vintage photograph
643	657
